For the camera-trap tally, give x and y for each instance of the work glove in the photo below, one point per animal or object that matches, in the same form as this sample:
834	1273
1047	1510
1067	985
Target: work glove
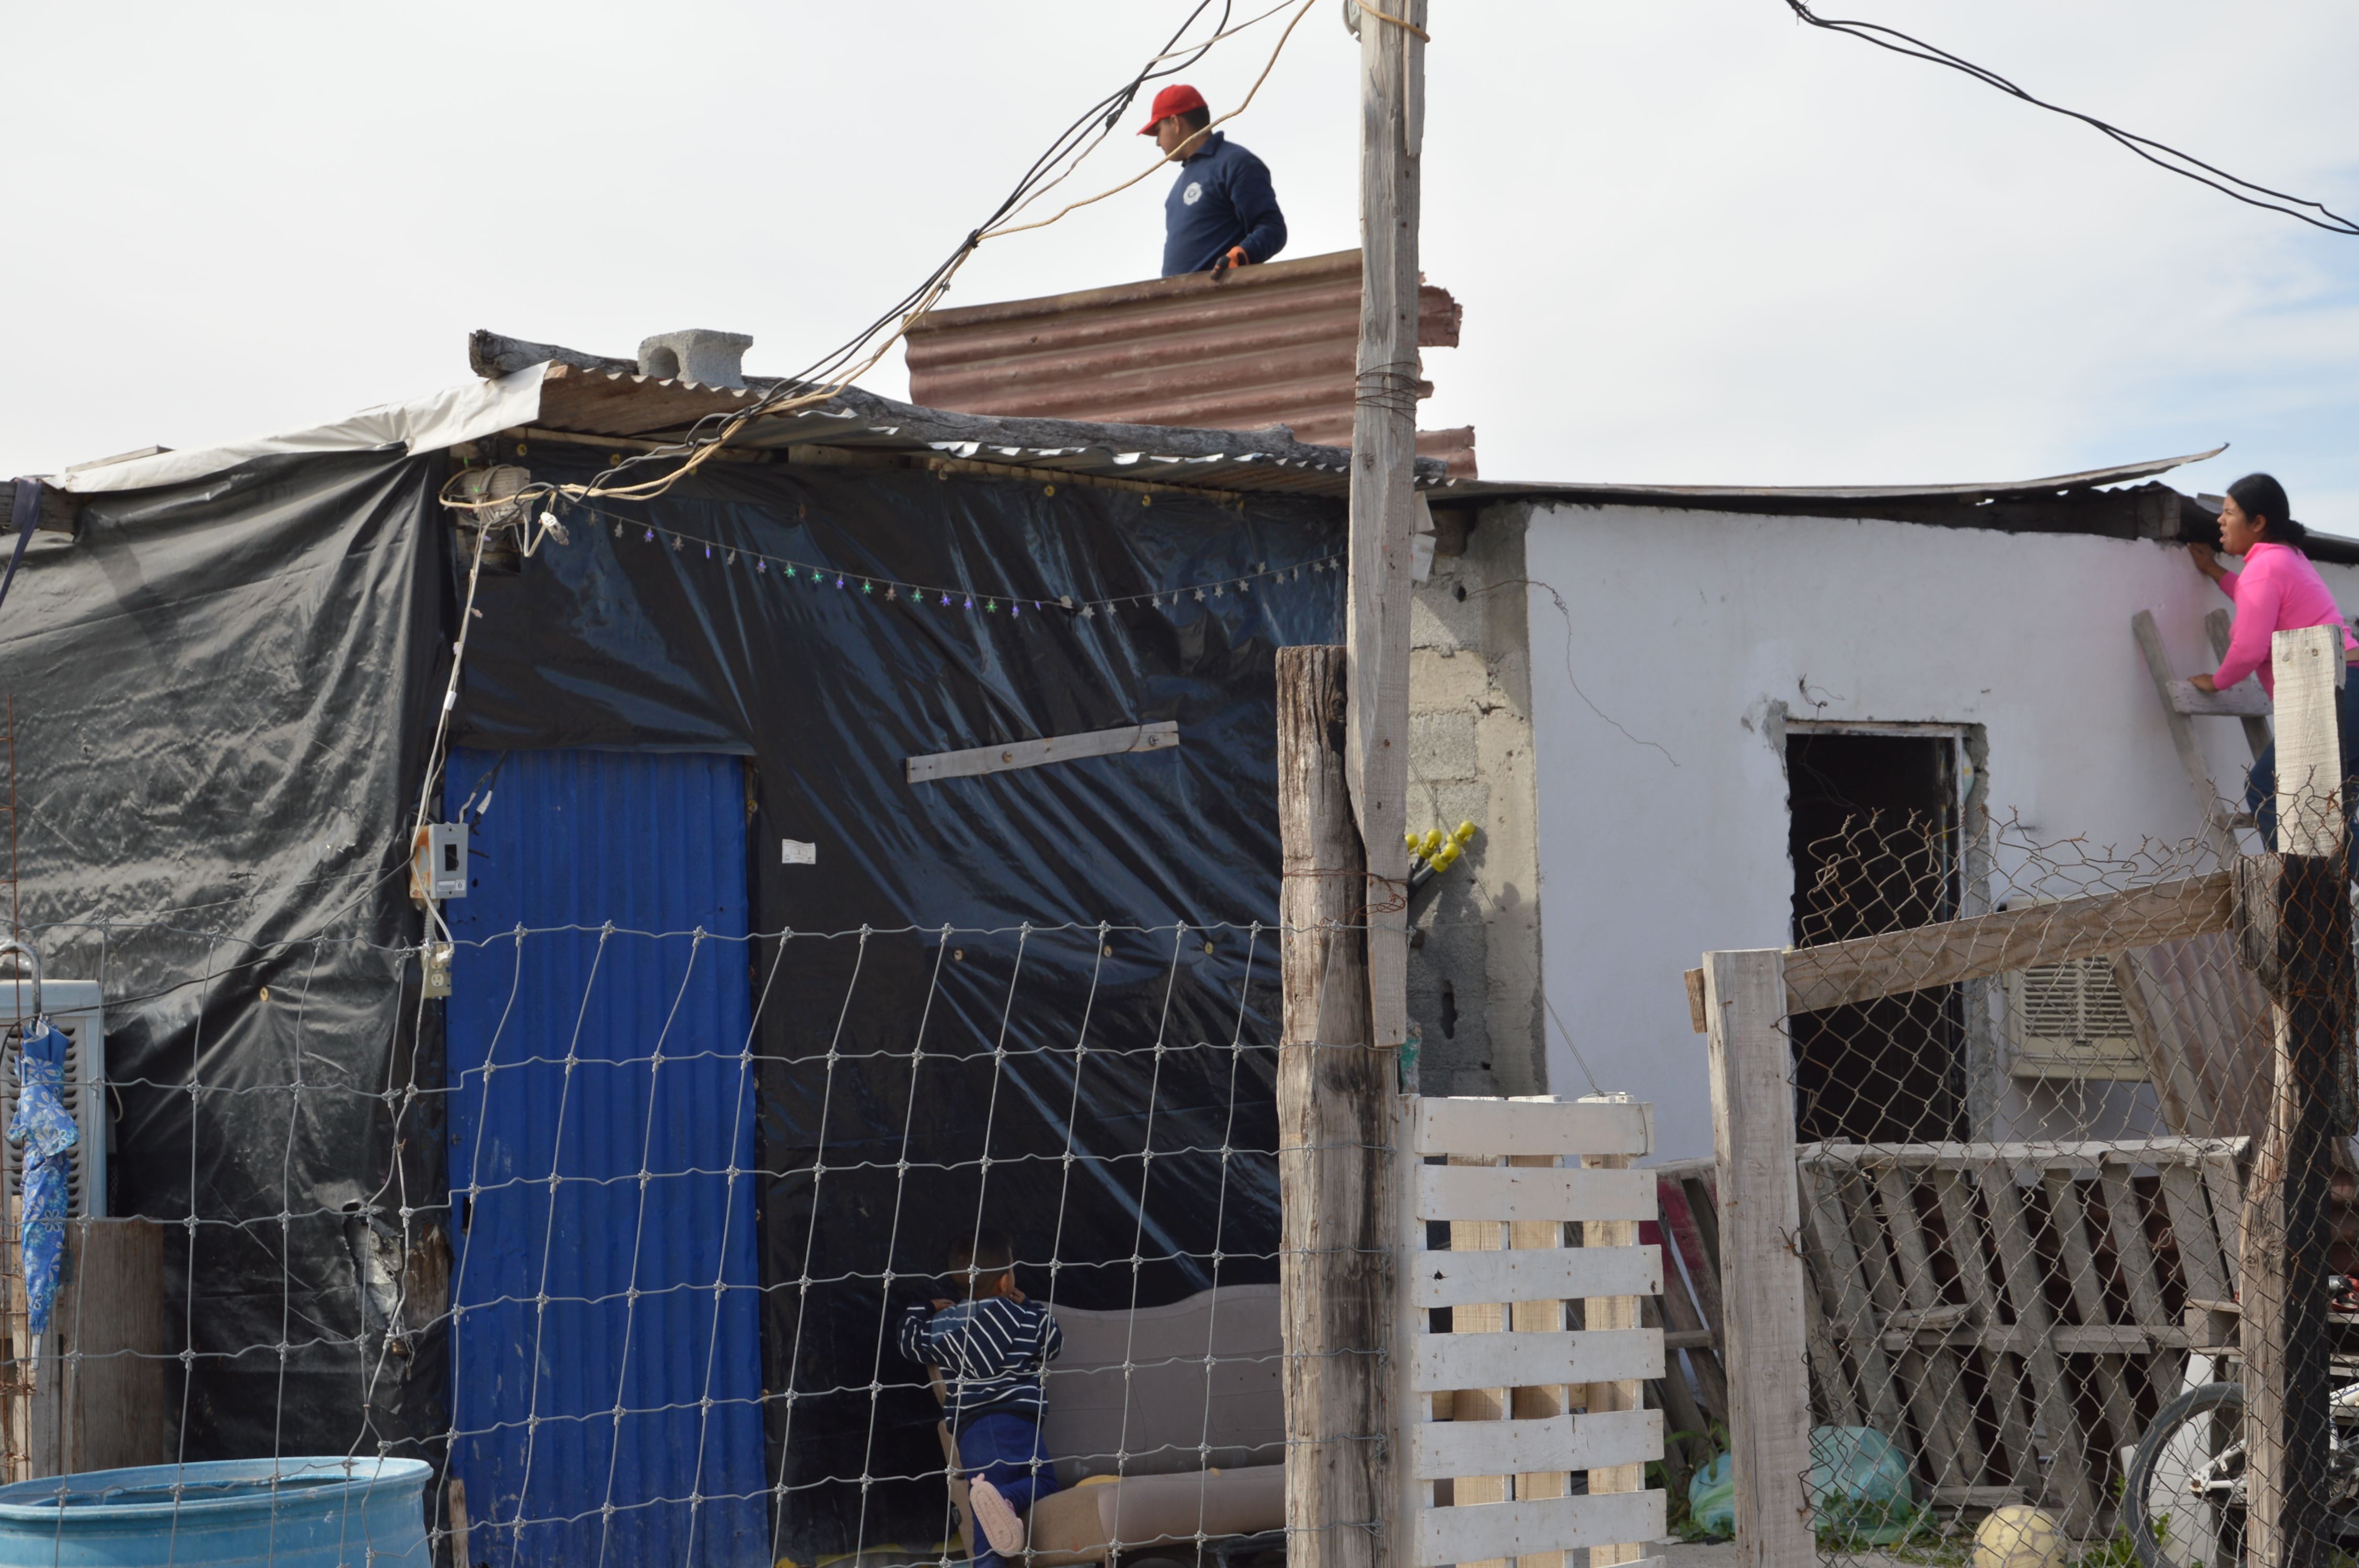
1236	257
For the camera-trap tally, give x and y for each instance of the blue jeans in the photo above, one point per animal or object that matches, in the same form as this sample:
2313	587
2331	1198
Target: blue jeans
2261	786
1005	1449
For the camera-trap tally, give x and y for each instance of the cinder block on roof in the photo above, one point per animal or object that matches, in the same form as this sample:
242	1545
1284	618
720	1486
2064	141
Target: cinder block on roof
698	355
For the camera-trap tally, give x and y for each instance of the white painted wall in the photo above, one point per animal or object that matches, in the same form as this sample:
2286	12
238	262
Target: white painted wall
1662	802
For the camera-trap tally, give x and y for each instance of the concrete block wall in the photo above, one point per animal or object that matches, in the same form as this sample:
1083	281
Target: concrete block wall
1475	957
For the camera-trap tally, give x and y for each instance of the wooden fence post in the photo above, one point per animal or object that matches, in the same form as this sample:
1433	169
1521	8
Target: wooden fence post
2307	903
1760	1254
1336	1106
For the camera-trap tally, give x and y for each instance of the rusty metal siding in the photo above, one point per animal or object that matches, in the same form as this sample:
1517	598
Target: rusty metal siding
594	1314
1264	345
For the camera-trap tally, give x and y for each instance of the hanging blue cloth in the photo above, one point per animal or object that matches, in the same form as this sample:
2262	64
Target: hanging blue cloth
44	1129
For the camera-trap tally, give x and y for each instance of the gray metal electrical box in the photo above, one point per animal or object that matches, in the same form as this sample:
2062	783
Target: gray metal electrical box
441	868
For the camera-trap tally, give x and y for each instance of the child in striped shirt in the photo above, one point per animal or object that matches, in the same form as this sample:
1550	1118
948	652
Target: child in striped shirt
994	1348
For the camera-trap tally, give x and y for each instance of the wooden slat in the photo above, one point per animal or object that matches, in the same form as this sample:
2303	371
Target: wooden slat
1463	1535
978	761
2019	1271
1491	1400
1751	1068
2242	700
1463	1279
1925	956
1442	1449
1685	1331
2067	1221
1494	1360
1944	1369
2226	1187
1879	1272
1674	1398
1493	1193
1847	1300
2202	1262
2001	1371
2125	1219
1542	1401
1535	1126
2088	1155
1610	1313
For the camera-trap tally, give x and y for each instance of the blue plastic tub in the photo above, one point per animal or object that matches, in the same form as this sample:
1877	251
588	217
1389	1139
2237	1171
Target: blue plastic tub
294	1513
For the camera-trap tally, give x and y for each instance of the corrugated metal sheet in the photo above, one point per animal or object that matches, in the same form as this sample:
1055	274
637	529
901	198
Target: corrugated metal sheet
551	1065
1257	346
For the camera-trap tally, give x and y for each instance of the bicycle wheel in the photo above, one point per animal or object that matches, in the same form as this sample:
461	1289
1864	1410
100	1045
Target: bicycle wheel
2184	1499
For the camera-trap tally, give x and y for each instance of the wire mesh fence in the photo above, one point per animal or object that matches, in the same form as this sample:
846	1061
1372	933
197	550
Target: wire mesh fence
2075	1231
730	1248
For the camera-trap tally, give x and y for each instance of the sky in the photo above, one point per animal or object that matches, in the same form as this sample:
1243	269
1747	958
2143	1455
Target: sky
1695	241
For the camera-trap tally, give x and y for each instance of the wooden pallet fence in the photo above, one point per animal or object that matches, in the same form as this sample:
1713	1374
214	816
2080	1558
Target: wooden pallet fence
1537	1376
2013	1315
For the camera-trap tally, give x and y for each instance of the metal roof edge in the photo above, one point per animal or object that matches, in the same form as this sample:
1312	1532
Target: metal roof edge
1696	495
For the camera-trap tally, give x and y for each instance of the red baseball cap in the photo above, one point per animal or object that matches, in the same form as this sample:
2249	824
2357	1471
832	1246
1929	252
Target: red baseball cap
1173	100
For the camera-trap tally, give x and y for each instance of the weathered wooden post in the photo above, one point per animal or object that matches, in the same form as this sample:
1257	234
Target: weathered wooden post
2297	918
1760	1255
1336	1106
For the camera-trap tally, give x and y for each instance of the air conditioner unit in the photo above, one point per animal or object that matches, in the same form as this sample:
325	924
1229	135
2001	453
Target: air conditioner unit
73	1008
2068	1021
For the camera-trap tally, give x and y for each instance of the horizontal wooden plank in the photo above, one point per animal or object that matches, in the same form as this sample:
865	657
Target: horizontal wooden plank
1480	1531
1534	1360
979	760
1539	1124
1448	1449
1870	967
2090	1155
1977	1497
2068	1339
2246	700
1557	1275
1533	1193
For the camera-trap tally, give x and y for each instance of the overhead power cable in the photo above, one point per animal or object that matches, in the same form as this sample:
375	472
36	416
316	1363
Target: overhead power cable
2162	156
820	382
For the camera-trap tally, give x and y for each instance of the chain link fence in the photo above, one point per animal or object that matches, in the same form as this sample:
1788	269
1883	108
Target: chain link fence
2075	1233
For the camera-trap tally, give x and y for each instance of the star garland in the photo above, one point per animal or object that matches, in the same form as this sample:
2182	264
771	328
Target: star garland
792	572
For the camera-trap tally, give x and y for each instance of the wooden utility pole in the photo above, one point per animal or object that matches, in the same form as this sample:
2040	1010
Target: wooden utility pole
1384	483
1336	1111
2296	910
1343	746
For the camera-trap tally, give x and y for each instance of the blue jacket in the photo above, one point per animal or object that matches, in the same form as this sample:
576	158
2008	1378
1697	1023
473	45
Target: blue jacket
1222	197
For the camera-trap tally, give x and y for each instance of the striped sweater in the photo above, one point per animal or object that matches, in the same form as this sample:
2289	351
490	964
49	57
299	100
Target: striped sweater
993	1353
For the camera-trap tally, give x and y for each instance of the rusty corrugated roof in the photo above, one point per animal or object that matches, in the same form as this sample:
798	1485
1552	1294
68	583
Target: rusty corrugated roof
587	395
1258	346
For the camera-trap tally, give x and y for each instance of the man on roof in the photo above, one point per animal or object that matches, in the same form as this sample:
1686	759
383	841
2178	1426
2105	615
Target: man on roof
1221	211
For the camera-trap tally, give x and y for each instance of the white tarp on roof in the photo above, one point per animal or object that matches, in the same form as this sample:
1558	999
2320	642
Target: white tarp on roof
426	424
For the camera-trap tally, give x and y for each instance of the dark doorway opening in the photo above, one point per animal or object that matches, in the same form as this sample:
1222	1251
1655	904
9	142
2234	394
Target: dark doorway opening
1875	840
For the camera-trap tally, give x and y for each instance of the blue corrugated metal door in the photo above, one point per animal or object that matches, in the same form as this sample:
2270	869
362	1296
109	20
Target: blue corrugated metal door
606	1370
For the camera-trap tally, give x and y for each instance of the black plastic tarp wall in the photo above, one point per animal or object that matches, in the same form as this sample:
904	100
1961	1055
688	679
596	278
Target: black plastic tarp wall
942	1068
217	691
223	695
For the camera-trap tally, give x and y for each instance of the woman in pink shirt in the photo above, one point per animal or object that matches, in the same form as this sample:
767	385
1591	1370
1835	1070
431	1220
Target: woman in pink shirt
2278	590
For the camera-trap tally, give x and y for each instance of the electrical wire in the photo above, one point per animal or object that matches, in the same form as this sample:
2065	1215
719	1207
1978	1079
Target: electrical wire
820	381
2186	166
